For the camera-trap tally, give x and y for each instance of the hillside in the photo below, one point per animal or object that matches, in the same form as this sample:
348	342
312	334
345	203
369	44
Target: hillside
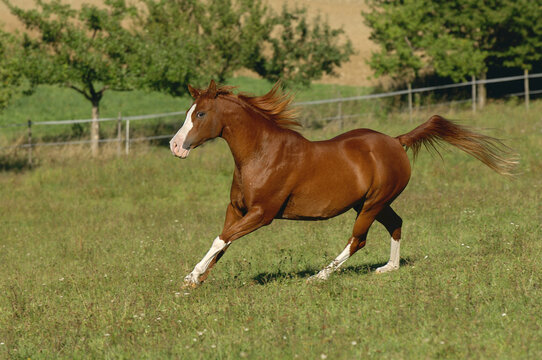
340	13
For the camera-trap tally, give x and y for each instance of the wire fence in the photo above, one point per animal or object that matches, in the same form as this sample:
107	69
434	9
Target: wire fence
339	113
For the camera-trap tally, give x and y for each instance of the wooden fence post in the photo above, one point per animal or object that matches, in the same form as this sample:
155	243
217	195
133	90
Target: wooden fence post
340	112
526	85
119	135
473	93
127	148
29	142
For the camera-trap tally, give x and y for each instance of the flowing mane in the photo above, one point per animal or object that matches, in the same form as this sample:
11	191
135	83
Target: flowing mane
275	105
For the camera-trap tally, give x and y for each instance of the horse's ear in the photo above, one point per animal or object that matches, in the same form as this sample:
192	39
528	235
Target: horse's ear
194	92
212	89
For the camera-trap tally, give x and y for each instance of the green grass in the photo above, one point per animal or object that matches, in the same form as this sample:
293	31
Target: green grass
58	103
93	252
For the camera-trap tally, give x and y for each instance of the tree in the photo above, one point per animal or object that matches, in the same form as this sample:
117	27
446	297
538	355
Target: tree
522	28
301	50
174	51
192	41
455	39
414	36
10	77
88	50
399	31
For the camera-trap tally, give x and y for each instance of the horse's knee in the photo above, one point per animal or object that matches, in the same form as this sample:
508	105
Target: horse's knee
356	243
391	221
397	224
396	234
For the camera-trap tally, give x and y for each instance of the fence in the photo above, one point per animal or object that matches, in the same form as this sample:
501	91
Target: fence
340	115
409	92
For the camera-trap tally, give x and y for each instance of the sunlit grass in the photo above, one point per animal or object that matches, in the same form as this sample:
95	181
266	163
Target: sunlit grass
92	254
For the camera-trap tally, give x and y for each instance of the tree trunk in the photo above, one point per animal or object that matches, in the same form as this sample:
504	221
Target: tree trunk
482	92
95	129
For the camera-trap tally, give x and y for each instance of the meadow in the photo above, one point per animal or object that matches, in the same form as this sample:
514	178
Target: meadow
48	103
60	103
93	252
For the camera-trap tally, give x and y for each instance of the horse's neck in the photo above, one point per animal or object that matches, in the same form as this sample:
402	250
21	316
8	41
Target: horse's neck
249	136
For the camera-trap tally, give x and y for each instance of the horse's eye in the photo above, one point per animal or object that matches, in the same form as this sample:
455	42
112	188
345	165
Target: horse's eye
200	114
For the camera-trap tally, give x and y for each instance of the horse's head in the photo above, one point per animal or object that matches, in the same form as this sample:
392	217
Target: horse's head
202	122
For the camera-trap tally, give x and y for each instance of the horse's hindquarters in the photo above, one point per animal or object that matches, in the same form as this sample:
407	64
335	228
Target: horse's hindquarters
342	173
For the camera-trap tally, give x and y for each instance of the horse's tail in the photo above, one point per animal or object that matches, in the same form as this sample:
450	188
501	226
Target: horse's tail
487	149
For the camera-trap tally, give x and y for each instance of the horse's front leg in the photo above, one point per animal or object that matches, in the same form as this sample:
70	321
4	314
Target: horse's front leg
234	227
218	247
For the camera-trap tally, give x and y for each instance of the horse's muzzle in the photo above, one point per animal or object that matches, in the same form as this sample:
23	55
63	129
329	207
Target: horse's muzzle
179	150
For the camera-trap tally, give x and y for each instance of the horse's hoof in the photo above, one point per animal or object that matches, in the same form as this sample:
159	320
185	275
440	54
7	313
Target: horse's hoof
315	278
191	282
386	268
190	285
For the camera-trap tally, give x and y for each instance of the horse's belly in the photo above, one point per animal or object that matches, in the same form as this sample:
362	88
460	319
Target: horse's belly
319	205
310	210
309	215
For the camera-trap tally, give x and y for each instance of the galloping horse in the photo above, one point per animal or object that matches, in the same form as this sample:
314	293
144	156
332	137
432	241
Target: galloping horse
281	175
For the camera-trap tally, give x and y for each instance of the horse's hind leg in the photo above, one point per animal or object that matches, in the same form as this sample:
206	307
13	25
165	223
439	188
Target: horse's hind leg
356	242
392	222
353	245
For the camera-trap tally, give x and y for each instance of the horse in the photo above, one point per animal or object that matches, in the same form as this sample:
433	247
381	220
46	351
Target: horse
279	174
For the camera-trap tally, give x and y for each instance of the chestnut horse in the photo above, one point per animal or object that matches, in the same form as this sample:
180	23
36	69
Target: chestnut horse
279	174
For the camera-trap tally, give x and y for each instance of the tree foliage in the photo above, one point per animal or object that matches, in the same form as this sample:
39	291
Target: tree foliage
456	38
190	41
523	30
399	31
166	44
10	76
301	50
88	50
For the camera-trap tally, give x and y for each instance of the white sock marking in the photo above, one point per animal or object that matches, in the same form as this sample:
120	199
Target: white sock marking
203	265
334	265
395	247
395	259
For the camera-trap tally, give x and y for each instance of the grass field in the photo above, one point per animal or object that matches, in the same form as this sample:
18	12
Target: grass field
92	254
58	103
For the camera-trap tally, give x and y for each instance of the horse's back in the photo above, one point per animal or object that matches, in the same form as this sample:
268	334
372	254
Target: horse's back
377	154
368	146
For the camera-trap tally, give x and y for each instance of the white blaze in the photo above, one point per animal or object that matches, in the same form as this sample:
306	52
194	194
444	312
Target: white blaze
176	144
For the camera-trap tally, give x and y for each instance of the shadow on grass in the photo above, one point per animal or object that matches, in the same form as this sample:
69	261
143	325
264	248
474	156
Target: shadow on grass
265	277
14	163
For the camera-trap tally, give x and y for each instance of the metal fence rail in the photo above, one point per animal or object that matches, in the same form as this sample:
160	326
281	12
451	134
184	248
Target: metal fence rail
420	90
339	101
126	118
